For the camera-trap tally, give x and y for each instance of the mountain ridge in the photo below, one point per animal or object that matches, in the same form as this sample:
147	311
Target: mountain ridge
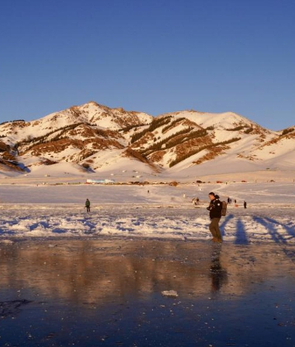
95	139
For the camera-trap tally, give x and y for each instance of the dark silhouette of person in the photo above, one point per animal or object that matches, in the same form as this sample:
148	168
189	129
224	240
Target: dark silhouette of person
214	209
87	205
245	204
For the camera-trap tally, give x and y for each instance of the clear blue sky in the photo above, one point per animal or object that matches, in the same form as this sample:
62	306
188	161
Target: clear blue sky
154	56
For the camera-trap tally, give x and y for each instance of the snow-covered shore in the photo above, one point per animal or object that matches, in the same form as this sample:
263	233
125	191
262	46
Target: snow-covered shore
158	211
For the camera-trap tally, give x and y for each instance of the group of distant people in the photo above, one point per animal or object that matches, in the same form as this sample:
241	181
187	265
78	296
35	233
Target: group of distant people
229	201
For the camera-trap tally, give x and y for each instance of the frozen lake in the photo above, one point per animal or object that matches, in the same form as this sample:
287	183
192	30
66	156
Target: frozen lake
157	211
72	278
109	292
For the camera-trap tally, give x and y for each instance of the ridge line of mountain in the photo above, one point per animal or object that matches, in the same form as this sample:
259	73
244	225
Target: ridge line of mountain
96	138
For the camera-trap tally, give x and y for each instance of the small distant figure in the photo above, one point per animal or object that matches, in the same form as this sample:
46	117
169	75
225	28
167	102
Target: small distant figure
235	201
245	204
195	201
87	205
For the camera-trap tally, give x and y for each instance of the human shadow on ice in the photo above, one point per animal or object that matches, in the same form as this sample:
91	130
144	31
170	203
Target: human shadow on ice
241	236
225	222
270	227
290	231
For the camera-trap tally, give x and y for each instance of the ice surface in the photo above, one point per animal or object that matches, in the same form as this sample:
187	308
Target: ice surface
158	211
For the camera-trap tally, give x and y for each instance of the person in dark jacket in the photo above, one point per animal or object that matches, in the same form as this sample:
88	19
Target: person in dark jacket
87	205
214	209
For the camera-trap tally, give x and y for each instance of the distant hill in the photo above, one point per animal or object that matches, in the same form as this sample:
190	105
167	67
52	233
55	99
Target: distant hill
95	138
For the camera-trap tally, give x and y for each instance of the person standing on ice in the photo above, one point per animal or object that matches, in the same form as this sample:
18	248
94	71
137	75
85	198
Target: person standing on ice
214	209
87	205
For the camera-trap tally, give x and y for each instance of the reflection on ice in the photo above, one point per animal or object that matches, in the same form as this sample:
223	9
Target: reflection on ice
110	291
218	274
97	271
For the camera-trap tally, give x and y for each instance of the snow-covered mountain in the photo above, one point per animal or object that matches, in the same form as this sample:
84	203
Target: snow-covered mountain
96	138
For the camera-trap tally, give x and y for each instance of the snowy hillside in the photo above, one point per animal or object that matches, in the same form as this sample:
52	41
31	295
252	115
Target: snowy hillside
97	140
